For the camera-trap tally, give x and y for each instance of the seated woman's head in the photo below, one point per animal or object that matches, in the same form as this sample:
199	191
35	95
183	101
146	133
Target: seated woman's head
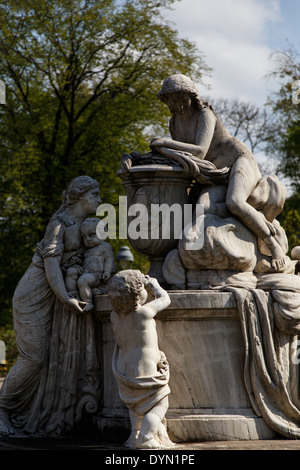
85	190
177	83
178	91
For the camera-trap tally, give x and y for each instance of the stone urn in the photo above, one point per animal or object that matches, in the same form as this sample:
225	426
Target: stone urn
156	195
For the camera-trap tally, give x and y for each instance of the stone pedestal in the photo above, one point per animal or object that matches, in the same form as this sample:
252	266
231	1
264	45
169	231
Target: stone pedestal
200	334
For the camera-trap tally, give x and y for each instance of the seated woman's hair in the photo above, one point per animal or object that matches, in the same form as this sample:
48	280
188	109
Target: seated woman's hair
177	83
77	187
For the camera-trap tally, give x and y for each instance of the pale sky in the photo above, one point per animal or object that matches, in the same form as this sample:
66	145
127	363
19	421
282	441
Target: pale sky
237	38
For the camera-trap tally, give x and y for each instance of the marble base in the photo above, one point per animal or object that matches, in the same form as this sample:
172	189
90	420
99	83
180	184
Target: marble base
200	334
220	425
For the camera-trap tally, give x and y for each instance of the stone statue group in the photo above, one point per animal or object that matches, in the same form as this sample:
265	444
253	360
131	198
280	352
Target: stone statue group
56	379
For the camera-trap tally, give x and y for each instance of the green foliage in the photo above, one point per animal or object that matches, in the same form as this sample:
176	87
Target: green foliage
81	80
291	149
285	142
290	220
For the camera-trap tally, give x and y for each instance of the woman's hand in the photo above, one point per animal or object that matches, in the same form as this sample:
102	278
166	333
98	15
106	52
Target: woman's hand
75	305
159	142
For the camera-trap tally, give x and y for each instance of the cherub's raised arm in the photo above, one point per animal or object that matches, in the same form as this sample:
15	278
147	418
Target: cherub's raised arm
162	299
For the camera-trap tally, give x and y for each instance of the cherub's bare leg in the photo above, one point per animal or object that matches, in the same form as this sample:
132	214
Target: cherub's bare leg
85	282
71	279
151	426
163	435
149	429
136	422
244	177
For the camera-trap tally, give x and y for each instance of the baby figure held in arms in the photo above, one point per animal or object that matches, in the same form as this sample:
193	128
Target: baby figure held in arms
98	265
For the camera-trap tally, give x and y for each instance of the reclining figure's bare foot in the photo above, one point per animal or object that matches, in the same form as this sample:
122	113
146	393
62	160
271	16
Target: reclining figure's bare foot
278	257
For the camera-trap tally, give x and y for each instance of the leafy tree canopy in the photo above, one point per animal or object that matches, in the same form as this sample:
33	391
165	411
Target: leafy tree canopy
285	142
285	105
81	80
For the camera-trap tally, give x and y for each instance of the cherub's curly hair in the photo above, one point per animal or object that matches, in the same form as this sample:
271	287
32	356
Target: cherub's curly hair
124	290
181	83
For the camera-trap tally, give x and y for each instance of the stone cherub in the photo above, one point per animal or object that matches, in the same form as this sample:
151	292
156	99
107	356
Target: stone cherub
198	132
140	368
98	264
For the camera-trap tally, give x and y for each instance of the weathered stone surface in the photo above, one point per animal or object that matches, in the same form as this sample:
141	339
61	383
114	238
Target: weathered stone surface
235	243
243	425
56	376
201	336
